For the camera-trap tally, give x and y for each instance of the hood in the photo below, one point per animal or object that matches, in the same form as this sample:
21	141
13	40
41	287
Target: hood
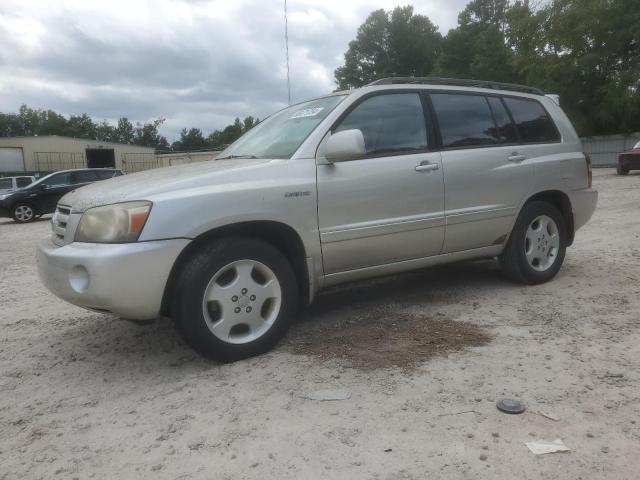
142	185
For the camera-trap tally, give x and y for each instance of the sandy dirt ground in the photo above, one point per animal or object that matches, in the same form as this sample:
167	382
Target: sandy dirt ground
84	395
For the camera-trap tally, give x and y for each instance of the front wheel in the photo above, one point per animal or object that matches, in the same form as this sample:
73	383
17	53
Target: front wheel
621	169
235	298
23	213
537	245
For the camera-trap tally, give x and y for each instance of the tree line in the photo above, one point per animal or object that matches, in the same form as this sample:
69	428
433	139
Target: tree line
29	122
587	51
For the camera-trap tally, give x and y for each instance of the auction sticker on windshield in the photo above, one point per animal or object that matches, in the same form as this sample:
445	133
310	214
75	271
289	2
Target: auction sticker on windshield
307	112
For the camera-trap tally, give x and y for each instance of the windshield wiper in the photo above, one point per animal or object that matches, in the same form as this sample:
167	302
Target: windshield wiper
236	156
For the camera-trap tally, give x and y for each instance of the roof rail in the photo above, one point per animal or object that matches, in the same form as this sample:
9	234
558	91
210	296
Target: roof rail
459	82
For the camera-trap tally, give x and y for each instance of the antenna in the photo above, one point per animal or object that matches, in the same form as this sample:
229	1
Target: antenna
286	42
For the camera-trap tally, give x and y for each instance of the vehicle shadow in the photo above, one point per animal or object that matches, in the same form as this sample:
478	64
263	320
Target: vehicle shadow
445	283
10	221
111	344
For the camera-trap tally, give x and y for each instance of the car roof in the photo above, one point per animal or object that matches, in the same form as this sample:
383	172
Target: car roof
107	169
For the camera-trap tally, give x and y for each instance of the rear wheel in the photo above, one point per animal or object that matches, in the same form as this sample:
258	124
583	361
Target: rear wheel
235	298
23	213
537	245
621	169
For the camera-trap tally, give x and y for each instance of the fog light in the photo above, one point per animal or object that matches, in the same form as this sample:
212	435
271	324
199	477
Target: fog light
79	279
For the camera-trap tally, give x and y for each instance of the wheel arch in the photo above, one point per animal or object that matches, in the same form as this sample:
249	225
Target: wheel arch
280	235
561	201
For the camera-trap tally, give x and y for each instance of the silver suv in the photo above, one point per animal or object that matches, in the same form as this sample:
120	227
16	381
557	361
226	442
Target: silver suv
398	175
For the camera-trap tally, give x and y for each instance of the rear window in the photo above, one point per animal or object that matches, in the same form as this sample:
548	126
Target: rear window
465	120
6	183
84	177
23	181
532	121
106	174
505	129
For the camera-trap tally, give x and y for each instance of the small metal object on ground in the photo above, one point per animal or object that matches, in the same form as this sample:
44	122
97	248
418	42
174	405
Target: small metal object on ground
328	395
508	405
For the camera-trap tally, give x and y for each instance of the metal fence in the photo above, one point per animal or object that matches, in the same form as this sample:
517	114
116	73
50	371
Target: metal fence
604	150
53	161
136	162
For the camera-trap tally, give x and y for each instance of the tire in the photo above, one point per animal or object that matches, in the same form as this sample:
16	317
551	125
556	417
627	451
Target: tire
234	298
622	170
535	251
23	213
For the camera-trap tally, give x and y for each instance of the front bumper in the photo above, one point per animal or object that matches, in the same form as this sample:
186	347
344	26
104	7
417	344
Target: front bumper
632	162
124	279
4	209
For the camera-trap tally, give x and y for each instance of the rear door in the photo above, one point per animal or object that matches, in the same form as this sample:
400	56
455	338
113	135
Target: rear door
485	172
83	177
388	205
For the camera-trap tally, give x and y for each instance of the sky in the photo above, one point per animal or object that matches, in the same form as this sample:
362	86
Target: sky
196	63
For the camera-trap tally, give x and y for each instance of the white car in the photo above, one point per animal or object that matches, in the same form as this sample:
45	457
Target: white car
398	175
9	184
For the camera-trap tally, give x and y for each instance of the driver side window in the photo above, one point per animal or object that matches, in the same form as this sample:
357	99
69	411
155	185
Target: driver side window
391	124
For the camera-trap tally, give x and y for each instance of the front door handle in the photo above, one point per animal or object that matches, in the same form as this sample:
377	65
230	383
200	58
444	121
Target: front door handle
516	157
427	167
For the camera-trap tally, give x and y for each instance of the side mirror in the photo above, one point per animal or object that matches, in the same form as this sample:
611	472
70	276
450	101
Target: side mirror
345	145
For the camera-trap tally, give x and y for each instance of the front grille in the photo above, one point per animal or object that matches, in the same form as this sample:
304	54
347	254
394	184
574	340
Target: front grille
59	223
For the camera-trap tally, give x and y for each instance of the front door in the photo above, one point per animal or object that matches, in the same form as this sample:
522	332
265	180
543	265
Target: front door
387	206
54	188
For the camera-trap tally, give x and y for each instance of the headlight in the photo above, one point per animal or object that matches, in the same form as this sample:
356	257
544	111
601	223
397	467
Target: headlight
117	223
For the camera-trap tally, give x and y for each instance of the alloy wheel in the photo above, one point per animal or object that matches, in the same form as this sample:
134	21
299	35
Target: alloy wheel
23	213
242	301
542	243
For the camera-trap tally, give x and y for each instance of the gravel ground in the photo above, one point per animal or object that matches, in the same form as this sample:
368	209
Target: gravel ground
85	395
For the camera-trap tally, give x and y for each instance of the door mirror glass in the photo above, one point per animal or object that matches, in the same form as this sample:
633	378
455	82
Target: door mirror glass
345	145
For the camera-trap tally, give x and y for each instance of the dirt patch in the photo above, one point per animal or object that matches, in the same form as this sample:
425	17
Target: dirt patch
389	339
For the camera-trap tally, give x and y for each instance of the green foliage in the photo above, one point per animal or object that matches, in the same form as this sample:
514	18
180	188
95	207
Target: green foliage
588	51
28	122
397	43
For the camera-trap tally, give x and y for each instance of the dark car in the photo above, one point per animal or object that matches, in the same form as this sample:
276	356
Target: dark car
41	197
629	160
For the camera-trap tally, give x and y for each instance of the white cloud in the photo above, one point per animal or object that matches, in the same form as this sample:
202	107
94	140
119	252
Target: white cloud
195	62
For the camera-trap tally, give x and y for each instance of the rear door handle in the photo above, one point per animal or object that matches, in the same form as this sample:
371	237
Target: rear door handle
427	167
516	157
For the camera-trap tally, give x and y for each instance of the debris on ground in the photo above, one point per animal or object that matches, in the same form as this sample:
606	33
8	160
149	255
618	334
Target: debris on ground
386	339
550	416
328	395
540	447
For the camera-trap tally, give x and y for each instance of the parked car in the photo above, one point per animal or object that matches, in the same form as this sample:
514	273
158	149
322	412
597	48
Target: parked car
629	160
398	175
41	197
9	184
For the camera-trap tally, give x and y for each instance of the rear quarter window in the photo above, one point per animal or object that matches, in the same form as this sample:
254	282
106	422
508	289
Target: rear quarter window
532	121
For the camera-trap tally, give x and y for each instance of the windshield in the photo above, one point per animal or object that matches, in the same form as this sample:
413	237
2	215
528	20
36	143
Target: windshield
280	135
